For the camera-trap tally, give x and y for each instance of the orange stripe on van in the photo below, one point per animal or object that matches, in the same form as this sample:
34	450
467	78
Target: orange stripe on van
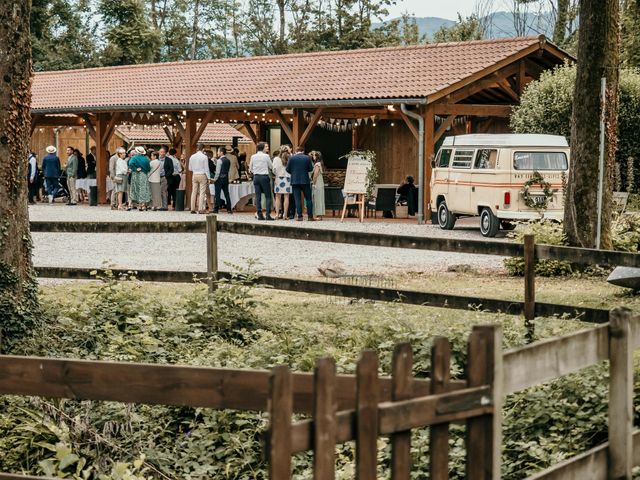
487	185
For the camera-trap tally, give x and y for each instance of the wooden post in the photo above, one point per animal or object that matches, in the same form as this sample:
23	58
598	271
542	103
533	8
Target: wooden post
401	389
484	434
620	394
367	416
429	147
102	121
212	252
439	434
529	285
298	126
324	418
280	410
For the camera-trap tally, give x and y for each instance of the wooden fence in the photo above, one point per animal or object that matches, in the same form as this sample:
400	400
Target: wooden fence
364	406
529	250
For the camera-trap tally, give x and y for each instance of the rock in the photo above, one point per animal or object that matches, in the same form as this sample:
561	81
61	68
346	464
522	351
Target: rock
627	277
462	268
332	268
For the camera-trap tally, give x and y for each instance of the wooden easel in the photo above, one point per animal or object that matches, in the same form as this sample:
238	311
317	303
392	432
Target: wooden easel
360	199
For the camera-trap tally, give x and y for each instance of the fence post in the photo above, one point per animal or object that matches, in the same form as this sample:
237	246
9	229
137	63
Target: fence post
439	434
280	411
212	251
324	420
402	389
367	416
529	285
620	394
484	434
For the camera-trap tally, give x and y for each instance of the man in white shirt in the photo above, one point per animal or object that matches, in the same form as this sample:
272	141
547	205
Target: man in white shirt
199	166
260	165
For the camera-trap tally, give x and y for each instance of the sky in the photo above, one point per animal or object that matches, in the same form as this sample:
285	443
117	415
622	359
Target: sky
433	8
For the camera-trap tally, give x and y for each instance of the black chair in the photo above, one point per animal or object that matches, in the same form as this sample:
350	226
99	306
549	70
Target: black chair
385	201
333	199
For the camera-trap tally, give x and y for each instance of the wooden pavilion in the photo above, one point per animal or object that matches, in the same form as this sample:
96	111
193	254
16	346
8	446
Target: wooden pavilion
397	101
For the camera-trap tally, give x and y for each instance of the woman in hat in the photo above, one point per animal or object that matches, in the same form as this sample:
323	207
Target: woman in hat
140	167
51	170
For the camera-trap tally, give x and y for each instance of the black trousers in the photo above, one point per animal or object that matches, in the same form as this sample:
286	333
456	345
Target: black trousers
33	191
262	185
172	186
306	190
222	184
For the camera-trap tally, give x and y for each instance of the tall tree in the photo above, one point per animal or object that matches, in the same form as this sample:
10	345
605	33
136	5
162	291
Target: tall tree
18	290
131	37
598	56
465	29
562	21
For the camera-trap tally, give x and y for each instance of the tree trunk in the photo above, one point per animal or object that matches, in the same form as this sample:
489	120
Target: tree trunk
562	18
194	30
598	56
282	21
18	301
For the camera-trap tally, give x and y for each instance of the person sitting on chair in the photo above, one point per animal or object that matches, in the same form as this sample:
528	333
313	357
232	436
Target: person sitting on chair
409	195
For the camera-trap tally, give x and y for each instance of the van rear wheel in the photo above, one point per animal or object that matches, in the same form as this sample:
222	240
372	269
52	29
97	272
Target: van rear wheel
446	219
489	223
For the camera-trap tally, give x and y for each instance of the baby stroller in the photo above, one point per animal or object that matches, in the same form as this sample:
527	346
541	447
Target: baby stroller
63	189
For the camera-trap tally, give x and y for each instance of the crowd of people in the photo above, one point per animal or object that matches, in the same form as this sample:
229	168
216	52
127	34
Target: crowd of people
284	175
149	180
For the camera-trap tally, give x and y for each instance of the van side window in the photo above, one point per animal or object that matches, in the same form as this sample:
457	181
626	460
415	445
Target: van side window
486	158
462	159
443	158
540	161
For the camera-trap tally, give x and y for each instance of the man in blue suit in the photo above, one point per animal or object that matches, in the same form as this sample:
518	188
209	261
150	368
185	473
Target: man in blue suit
51	171
299	166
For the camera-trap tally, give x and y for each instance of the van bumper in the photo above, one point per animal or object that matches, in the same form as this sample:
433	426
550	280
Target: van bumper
553	215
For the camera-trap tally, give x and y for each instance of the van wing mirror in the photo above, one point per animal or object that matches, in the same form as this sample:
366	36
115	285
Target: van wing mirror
433	164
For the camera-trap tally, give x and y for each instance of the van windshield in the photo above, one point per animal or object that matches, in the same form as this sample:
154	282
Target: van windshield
540	161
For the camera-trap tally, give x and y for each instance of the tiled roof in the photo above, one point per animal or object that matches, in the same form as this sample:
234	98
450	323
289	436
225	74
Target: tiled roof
214	133
381	73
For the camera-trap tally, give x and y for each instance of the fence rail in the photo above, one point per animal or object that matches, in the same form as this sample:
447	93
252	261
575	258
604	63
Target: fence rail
588	256
337	289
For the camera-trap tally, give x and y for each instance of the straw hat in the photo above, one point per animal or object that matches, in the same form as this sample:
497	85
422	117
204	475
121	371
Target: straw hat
140	151
51	149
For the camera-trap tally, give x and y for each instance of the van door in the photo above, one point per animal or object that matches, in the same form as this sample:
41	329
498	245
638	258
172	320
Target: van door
460	180
440	177
483	180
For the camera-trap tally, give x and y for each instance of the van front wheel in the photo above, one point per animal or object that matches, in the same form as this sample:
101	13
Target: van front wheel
489	223
446	219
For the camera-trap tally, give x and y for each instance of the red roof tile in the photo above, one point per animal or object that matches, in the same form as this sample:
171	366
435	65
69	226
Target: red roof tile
382	73
214	133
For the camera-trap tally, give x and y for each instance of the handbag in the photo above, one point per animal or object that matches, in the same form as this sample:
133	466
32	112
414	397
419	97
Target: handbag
118	180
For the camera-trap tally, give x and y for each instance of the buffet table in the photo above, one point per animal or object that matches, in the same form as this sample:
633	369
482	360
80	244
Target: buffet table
240	193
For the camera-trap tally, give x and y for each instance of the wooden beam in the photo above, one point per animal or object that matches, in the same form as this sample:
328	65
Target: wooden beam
472	110
203	125
411	125
110	127
169	133
480	84
298	126
312	123
283	123
446	123
189	142
102	122
506	87
90	128
179	125
251	132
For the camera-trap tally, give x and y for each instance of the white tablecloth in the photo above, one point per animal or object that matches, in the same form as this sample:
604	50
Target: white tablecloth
85	183
240	193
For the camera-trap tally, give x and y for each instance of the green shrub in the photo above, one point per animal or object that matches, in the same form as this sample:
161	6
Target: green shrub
546	105
546	232
625	231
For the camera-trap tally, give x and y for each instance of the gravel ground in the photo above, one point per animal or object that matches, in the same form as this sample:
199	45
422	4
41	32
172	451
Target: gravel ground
274	256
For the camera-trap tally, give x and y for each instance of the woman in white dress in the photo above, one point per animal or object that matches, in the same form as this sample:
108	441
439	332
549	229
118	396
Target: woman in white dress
282	181
122	176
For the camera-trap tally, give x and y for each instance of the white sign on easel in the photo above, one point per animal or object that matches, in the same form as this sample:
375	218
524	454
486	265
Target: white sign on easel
355	183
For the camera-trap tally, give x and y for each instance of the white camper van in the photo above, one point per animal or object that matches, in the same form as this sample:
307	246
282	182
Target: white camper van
501	178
